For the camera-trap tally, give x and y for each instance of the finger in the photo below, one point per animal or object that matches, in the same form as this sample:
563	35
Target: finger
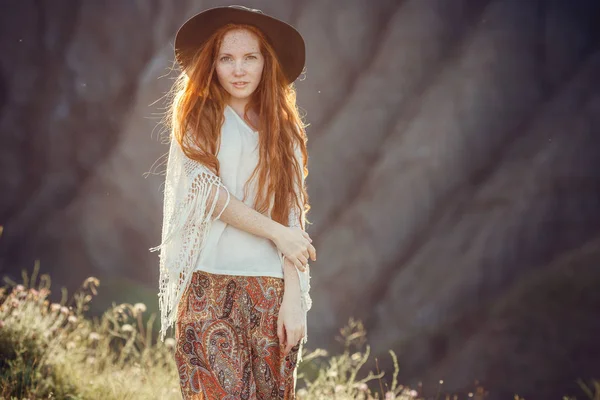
298	263
306	235
301	266
303	260
291	343
280	330
313	252
300	336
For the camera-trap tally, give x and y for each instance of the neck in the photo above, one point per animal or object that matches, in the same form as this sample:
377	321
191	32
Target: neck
238	105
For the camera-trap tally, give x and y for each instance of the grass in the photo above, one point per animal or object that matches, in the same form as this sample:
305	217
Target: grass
55	351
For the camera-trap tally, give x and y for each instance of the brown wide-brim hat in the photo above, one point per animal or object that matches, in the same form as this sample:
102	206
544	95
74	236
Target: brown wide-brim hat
285	39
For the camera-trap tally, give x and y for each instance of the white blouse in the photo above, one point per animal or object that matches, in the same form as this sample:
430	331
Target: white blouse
234	251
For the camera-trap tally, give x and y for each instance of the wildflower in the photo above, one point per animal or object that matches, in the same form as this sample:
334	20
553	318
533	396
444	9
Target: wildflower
339	388
94	336
302	392
139	308
64	310
91	283
71	345
362	387
170	343
14	303
19	288
413	393
91	360
34	292
355	357
54	307
72	319
332	374
127	328
389	396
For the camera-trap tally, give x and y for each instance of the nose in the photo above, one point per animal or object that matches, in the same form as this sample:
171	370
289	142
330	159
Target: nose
238	70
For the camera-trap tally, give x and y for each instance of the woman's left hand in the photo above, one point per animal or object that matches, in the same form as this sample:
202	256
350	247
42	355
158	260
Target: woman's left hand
290	321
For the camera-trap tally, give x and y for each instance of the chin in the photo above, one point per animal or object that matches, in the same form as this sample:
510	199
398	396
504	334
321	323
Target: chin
237	94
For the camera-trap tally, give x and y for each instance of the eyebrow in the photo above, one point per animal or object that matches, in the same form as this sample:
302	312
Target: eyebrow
247	54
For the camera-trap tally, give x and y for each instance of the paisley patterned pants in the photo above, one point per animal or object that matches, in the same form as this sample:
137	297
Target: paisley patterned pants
227	344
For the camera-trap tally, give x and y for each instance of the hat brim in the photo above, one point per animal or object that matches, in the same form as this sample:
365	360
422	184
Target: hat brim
285	39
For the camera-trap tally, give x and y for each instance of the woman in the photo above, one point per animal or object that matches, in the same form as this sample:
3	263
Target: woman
234	275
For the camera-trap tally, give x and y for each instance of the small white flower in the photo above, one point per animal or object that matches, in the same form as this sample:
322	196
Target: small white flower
94	336
362	387
127	328
64	310
55	307
170	343
339	388
139	308
72	319
71	345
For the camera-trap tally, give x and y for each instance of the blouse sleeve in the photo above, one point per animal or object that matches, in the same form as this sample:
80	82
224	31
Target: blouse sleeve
297	219
191	195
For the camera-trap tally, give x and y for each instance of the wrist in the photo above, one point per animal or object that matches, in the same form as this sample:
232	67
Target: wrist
290	276
273	231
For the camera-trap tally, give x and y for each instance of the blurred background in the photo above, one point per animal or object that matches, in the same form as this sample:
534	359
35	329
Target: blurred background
454	171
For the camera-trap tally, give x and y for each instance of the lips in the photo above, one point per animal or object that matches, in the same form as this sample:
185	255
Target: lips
239	84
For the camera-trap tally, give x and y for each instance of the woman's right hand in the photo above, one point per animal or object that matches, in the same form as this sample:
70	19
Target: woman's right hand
295	244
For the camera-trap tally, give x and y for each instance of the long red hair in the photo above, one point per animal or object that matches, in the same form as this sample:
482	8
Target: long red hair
195	117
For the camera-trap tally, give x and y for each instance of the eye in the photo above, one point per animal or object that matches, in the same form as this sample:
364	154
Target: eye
252	57
225	59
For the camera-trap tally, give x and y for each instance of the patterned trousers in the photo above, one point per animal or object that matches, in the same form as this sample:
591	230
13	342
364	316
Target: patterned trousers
227	344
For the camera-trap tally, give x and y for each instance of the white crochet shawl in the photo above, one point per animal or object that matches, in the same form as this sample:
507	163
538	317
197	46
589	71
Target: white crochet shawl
187	217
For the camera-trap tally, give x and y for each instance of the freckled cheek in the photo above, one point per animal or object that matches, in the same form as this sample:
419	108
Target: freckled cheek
223	73
256	71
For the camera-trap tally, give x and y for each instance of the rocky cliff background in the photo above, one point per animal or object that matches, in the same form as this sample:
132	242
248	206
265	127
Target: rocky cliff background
454	170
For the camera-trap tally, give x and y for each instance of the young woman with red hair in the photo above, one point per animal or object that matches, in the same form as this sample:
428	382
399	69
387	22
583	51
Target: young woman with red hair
234	274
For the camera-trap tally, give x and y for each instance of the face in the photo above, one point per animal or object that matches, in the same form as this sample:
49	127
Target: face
240	64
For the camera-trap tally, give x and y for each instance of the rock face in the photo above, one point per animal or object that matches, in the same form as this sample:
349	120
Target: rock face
454	170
